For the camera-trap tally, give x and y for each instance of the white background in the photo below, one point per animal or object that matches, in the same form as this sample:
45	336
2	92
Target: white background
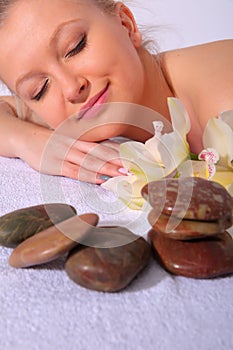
186	22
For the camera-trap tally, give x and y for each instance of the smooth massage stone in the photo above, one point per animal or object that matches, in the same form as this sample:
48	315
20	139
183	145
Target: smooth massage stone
205	258
21	224
190	198
109	237
108	269
175	228
53	242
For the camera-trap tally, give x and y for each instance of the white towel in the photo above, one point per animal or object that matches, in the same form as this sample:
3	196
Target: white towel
41	308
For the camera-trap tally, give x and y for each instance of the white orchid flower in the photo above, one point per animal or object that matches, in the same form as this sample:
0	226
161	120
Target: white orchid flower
171	149
169	153
157	158
218	134
217	155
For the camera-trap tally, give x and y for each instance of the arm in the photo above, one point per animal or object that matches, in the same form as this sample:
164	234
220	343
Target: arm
10	128
15	131
52	153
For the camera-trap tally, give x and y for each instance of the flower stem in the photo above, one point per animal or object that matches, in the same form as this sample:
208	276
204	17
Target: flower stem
193	156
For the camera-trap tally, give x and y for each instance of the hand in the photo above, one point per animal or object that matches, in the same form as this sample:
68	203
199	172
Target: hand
56	154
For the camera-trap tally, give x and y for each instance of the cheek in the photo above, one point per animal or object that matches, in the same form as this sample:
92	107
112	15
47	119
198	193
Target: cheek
50	112
110	52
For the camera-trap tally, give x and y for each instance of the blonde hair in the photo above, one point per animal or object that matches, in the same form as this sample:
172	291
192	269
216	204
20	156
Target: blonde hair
5	5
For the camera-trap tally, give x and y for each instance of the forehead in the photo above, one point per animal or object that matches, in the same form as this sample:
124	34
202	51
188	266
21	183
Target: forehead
30	24
32	16
25	15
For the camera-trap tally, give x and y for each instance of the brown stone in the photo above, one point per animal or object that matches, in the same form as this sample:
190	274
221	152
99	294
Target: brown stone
53	242
109	237
21	224
190	198
108	269
206	258
176	228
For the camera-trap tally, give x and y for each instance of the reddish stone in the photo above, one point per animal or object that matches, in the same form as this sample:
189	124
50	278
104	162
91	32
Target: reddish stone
190	198
53	242
206	258
176	228
108	269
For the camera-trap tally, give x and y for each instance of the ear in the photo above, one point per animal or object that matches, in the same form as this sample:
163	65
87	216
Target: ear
128	22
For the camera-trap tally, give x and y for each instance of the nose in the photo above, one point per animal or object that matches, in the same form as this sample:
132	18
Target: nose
75	89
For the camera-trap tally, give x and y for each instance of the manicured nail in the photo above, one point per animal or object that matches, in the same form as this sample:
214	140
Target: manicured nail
104	177
123	171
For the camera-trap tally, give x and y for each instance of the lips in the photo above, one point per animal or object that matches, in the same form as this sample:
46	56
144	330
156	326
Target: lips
93	106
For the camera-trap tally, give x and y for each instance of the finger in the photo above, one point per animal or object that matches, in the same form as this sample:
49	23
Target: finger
94	164
111	144
91	161
75	172
100	151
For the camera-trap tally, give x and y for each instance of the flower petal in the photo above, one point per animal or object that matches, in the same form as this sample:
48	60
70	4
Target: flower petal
127	189
152	146
219	135
230	189
194	168
139	161
173	150
224	177
227	117
179	116
209	155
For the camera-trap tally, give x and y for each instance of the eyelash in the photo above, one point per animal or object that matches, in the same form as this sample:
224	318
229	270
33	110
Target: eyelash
42	91
78	48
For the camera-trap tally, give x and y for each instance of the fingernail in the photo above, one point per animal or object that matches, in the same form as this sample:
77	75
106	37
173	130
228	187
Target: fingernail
123	171
104	177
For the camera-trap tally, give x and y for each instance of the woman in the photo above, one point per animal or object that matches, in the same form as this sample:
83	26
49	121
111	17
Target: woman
71	57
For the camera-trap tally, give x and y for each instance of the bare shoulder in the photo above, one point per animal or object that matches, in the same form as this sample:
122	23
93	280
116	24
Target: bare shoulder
204	58
202	75
211	72
210	62
219	48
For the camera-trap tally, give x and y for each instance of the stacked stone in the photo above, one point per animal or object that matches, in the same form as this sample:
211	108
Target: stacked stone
189	219
104	258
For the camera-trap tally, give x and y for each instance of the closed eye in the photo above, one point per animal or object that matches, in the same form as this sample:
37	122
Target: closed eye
42	91
79	47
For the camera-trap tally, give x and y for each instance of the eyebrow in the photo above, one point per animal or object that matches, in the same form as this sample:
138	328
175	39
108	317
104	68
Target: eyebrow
57	32
53	40
24	77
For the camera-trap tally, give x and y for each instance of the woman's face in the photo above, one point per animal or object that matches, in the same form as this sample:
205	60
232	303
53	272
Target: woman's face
61	56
